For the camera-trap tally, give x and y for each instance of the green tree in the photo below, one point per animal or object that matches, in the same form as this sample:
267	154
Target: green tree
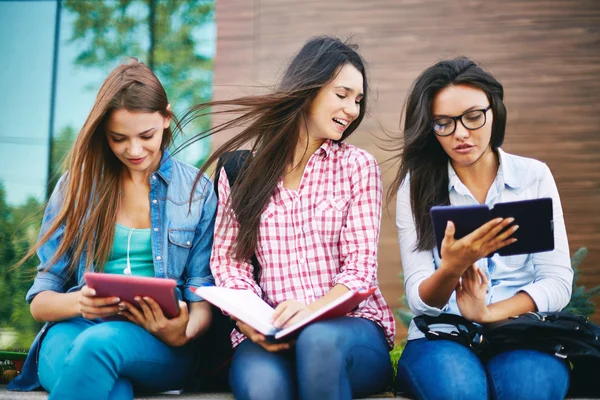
162	33
7	256
60	149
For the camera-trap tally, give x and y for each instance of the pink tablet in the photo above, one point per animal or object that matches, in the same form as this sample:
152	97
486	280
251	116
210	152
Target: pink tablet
126	287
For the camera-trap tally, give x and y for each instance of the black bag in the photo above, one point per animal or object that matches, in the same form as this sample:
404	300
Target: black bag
234	163
567	336
214	350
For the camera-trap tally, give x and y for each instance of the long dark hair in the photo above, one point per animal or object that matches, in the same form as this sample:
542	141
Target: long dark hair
91	191
271	124
422	156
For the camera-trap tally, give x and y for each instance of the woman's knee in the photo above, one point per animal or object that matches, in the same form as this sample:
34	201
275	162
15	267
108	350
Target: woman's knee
257	374
101	341
527	374
324	338
440	370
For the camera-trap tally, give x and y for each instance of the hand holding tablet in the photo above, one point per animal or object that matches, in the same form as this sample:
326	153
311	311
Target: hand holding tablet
127	288
534	218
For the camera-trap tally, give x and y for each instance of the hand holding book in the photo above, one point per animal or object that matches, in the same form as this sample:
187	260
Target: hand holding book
246	306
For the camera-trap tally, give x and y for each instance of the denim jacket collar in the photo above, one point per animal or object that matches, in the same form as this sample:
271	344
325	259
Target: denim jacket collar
165	167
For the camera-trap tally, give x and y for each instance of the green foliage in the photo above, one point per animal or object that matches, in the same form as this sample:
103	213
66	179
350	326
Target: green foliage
18	232
395	356
110	31
61	145
581	300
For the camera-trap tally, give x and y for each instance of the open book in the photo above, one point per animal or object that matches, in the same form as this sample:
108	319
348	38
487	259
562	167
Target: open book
246	306
534	217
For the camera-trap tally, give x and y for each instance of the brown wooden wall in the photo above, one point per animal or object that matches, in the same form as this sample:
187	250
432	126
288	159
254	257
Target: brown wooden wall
546	54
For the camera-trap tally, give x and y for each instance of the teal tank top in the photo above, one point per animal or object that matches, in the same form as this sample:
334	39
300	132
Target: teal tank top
131	253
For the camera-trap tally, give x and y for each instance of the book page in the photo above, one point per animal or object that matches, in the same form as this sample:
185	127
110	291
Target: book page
244	305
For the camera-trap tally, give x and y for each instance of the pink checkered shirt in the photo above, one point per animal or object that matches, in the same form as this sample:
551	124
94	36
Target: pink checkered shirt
312	239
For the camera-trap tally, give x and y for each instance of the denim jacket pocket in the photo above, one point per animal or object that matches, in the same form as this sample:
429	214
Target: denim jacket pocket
180	244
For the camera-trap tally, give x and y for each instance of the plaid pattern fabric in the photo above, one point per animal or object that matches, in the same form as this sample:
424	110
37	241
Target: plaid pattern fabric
312	239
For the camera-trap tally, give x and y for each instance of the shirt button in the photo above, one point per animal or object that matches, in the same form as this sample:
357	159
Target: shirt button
302	261
155	229
153	176
158	258
188	243
154	201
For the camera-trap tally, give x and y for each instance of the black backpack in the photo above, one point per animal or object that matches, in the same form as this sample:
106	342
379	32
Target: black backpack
234	164
214	350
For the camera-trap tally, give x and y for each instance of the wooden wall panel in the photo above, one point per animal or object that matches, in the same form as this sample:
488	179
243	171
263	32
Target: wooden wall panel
546	54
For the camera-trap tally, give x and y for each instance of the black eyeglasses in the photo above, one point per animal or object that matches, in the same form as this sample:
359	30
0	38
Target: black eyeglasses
474	119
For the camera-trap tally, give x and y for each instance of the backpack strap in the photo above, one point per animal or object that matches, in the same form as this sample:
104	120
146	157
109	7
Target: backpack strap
466	332
234	163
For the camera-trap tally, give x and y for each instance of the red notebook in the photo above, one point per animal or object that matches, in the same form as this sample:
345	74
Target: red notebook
126	287
246	306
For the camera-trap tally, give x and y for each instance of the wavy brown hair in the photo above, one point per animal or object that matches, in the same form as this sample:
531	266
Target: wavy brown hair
271	125
421	154
90	190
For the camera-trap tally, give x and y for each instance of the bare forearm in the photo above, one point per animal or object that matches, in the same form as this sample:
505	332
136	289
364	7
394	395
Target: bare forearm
200	319
516	305
50	306
436	290
333	294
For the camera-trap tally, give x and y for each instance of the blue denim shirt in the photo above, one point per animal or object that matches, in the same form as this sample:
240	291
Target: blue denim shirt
181	244
547	276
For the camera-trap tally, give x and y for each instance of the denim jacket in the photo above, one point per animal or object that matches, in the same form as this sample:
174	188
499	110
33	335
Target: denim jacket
181	244
546	277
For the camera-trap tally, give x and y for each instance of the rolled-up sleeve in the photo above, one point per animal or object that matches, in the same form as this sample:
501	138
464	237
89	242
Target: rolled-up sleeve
360	233
53	276
553	275
416	265
198	265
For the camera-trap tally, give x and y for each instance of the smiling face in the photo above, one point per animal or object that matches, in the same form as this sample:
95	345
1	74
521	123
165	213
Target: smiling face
465	147
136	137
336	105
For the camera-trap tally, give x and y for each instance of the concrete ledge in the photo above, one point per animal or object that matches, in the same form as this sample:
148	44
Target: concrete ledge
5	394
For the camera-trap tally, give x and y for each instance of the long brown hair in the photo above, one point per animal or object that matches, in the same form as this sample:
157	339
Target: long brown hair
272	126
421	154
90	189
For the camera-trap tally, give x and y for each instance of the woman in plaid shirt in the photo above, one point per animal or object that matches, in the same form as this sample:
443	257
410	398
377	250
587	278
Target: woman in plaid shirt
309	206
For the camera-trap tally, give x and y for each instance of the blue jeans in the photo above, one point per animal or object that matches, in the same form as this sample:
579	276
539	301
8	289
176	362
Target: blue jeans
442	369
84	359
332	359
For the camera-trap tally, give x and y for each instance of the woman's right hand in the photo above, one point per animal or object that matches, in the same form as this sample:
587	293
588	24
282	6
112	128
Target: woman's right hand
92	307
259	338
459	255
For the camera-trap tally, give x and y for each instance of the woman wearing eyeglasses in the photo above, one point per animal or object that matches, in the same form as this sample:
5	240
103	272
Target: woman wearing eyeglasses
453	129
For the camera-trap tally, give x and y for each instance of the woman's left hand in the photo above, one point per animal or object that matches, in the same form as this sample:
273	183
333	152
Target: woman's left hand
471	293
170	331
289	312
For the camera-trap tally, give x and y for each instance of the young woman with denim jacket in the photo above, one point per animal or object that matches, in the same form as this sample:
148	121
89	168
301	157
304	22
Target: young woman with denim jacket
453	129
124	208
